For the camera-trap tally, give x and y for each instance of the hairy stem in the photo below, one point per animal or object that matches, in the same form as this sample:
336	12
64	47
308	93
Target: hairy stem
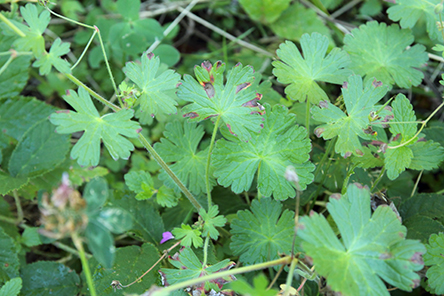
289	278
78	243
378	179
307	118
18	205
205	251
207	168
350	172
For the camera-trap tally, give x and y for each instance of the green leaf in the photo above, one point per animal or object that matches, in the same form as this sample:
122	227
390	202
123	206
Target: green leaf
259	288
262	234
141	183
31	237
167	54
180	146
397	160
264	11
12	287
211	221
153	84
129	9
109	128
349	127
422	214
302	71
100	243
426	155
19	114
37	25
9	262
435	260
378	51
235	102
369	159
48	60
39	279
166	197
130	263
372	247
409	12
9	183
147	223
95	193
40	150
188	235
404	121
280	144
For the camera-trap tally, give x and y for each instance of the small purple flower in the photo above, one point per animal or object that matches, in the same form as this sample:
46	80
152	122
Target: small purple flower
166	236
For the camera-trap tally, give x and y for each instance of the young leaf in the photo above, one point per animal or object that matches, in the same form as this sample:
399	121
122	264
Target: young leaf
47	60
37	25
280	144
408	12
38	279
235	103
211	221
12	287
109	128
349	127
188	235
302	73
263	233
434	258
264	11
180	146
372	248
141	183
152	83
378	51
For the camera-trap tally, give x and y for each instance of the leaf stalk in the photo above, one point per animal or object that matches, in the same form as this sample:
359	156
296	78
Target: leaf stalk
207	168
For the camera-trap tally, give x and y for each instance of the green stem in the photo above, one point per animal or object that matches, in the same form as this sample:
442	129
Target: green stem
378	179
205	251
170	173
18	206
69	249
285	260
207	168
289	278
8	219
350	172
12	26
5	65
330	146
307	117
107	63
84	50
78	243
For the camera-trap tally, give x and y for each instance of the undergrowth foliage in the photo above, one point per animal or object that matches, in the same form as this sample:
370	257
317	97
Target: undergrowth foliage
211	182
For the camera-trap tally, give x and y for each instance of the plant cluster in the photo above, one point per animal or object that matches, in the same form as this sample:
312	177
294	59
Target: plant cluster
295	173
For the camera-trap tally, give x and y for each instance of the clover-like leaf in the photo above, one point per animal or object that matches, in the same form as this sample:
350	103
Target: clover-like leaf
152	82
180	146
264	11
188	235
263	233
372	247
189	267
302	73
378	51
109	128
235	102
37	25
349	127
211	221
280	144
48	60
409	12
434	258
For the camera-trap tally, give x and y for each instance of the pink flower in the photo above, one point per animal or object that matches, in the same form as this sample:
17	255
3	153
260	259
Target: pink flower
166	236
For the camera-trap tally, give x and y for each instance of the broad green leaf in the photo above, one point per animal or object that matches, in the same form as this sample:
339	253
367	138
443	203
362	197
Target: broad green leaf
9	183
166	197
280	144
129	9
349	127
52	59
426	155
369	159
130	263
9	261
190	267
19	114
265	11
404	121
303	71
378	51
235	103
12	287
297	20
435	260
115	220
109	128
147	223
95	193
141	183
422	214
435	133
372	248
188	235
31	237
45	278
37	25
167	54
180	146
153	84
409	12
397	160
40	150
211	221
262	234
100	243
259	288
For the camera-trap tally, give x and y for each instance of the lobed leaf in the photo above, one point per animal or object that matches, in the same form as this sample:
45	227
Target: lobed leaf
435	260
188	235
52	59
141	183
211	221
12	287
